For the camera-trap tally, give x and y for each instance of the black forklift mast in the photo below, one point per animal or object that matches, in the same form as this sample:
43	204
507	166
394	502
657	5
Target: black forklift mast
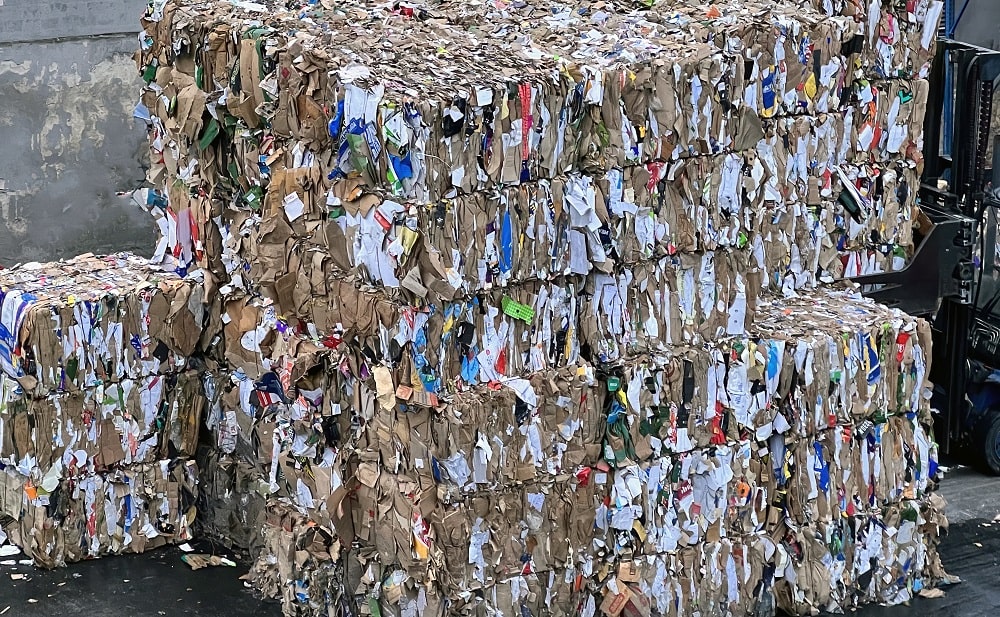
943	279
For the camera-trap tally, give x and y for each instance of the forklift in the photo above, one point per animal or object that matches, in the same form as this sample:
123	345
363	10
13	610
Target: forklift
953	278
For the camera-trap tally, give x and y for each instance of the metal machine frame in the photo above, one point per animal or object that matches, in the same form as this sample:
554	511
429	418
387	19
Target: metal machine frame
944	279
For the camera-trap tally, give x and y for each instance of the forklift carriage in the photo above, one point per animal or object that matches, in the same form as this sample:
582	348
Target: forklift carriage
953	278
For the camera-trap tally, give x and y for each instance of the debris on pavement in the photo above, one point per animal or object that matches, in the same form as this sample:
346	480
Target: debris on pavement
201	560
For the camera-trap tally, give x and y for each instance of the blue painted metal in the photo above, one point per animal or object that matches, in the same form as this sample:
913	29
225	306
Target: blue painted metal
952	24
984	397
948	109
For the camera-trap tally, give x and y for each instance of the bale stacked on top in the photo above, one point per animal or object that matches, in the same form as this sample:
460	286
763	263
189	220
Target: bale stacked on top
305	125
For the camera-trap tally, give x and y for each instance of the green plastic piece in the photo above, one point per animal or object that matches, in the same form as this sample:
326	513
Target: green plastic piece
359	151
149	74
210	133
613	384
517	310
603	135
254	197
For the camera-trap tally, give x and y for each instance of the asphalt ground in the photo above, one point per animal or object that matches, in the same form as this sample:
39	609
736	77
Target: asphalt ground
159	584
154	584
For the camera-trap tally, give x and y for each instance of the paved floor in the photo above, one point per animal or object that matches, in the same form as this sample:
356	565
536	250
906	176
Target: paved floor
971	551
160	585
971	495
156	584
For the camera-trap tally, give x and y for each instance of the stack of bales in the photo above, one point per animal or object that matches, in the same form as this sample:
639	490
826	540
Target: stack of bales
520	308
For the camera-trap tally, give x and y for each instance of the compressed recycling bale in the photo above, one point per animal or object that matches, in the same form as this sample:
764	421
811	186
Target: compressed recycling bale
801	566
677	84
99	393
821	422
92	513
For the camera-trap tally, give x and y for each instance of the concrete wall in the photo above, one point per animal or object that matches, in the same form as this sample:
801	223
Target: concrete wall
68	142
980	23
39	20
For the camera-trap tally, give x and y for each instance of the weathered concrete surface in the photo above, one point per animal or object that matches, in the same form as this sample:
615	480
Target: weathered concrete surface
68	144
980	23
971	495
40	20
